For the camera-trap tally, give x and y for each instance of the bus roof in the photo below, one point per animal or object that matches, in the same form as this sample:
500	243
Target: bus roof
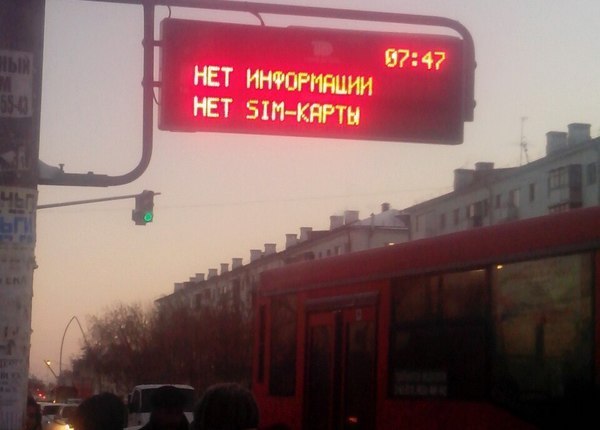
576	230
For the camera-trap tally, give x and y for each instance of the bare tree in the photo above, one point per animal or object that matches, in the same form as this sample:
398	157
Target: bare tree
168	344
118	344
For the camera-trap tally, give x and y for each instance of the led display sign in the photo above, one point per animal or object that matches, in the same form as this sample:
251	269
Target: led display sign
315	82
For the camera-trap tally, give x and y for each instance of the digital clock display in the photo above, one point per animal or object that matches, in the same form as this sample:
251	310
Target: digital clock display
310	82
406	58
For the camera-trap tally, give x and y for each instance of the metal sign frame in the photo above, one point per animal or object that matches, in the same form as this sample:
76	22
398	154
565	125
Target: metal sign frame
149	83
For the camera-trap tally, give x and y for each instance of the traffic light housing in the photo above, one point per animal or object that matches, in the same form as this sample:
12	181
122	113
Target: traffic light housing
144	208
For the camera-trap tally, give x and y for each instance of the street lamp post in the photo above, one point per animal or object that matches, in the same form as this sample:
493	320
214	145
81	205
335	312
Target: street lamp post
48	363
74	318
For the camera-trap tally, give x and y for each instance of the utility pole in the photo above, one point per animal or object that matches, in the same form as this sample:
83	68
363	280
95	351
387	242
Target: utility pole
21	49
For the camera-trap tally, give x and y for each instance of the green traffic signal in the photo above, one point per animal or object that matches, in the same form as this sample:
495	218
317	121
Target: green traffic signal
144	206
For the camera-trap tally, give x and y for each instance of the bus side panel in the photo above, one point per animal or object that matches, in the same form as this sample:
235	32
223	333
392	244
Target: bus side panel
297	418
596	317
383	349
447	415
276	410
280	410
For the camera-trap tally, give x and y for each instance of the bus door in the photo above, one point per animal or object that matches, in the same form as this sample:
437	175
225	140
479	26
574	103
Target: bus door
340	383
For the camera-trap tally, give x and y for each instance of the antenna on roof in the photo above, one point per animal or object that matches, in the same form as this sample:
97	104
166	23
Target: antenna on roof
523	144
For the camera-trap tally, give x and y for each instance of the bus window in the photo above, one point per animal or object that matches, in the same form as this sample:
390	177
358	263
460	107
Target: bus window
463	296
319	383
360	376
282	375
415	300
542	313
261	343
437	336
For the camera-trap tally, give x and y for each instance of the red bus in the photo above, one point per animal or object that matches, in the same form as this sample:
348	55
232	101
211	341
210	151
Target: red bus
491	328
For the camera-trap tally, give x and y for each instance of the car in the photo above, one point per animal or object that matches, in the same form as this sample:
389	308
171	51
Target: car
48	411
62	419
140	402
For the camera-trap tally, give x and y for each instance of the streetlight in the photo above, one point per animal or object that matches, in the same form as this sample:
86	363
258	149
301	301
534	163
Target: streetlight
48	363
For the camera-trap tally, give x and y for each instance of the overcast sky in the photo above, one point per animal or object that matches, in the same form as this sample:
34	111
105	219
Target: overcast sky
224	194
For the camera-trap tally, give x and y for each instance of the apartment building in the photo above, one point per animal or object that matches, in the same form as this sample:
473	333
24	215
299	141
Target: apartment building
565	178
237	284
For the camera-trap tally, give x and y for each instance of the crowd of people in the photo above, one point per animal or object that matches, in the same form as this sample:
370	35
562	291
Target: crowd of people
222	407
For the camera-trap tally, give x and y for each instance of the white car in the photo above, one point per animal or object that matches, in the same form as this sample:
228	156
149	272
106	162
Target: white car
49	410
140	402
62	419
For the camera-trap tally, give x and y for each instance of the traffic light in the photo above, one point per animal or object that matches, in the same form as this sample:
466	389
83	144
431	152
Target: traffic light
144	208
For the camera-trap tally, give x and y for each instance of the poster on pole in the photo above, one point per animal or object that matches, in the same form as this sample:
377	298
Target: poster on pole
16	110
17	263
17	217
16	84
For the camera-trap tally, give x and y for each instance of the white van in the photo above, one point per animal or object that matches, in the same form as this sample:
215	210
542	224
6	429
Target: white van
140	406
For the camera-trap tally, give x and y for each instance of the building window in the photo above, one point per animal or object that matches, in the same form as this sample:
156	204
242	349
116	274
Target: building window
476	213
471	209
558	178
456	216
442	221
531	192
590	173
479	209
513	198
562	207
566	186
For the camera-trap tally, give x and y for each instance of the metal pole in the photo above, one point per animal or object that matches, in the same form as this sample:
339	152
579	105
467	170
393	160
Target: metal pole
47	363
257	9
74	318
83	202
101	180
21	48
